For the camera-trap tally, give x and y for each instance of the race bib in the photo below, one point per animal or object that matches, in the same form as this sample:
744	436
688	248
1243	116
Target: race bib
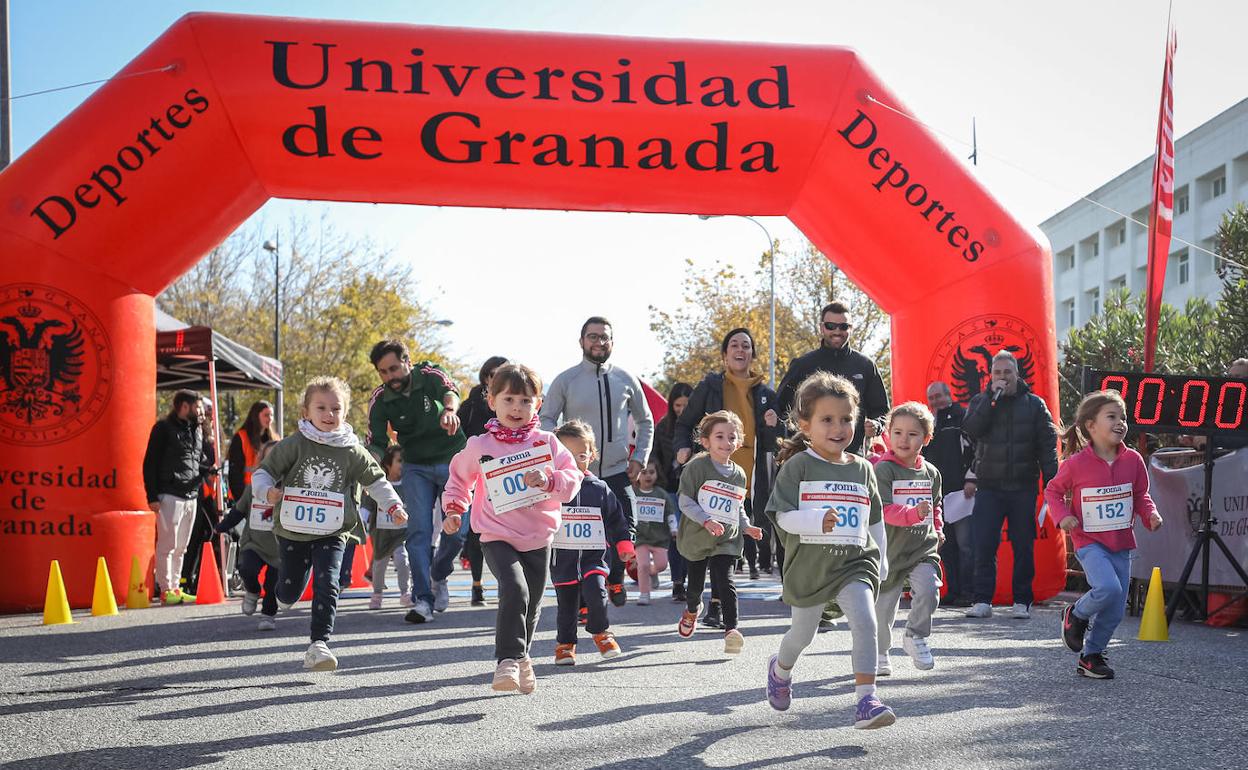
261	517
649	510
313	511
1106	509
722	501
581	530
853	511
911	492
504	478
386	521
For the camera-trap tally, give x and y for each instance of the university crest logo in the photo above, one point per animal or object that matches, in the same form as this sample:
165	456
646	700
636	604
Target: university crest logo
55	365
963	359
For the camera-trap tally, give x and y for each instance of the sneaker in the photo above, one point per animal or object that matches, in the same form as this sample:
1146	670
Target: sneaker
464	564
1020	611
406	600
478	596
441	596
374	602
169	598
643	600
733	642
420	613
506	676
678	592
619	597
187	598
779	691
1073	629
250	601
980	610
713	617
1094	666
565	654
582	616
607	646
916	647
319	658
267	623
528	679
753	573
871	713
883	666
688	624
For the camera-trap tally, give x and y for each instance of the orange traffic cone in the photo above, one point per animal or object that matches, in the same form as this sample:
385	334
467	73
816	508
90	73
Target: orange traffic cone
139	595
359	565
56	605
103	602
209	590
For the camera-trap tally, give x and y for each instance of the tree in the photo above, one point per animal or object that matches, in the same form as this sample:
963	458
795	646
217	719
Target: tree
340	295
1188	342
1232	245
717	299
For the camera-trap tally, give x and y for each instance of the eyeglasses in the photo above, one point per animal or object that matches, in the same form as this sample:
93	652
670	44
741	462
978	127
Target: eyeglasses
598	337
830	326
584	456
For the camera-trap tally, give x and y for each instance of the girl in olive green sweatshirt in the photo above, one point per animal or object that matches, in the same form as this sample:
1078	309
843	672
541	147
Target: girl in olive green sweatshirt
826	507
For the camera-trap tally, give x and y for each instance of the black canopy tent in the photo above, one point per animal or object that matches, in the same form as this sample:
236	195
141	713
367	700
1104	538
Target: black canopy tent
191	356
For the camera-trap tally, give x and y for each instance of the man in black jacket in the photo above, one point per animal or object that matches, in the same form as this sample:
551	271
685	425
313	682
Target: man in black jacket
173	468
1016	446
834	355
952	453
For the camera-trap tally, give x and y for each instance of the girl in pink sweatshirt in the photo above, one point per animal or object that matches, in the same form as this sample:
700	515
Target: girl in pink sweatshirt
1097	494
516	475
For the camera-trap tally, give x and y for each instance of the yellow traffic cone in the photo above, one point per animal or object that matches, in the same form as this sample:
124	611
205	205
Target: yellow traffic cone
1153	623
138	597
103	602
55	605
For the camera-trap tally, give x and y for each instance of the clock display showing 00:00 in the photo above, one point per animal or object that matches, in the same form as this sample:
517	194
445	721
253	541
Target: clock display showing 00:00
1180	402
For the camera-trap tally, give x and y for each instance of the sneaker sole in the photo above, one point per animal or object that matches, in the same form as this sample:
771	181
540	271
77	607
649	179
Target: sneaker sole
505	685
418	620
734	648
883	671
1091	675
880	720
922	666
321	665
609	654
566	662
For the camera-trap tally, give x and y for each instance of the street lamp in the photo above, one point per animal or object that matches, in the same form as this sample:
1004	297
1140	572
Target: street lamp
444	322
771	258
272	247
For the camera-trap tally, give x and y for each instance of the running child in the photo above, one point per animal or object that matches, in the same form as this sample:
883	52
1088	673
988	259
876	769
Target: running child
909	489
388	536
1096	496
320	469
656	527
828	515
515	476
578	568
712	504
257	550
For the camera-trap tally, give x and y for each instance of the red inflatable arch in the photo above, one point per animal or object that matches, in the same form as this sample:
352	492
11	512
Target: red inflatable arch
152	171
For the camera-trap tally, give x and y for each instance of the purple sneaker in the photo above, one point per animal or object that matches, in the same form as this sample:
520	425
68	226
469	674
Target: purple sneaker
779	691
872	714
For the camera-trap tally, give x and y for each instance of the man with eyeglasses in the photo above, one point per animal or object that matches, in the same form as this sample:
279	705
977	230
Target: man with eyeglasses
834	355
605	396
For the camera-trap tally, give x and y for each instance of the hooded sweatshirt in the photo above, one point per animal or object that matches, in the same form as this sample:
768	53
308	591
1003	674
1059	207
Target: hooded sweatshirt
911	540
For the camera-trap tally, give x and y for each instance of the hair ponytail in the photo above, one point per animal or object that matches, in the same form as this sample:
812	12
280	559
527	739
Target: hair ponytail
1072	440
794	445
1076	436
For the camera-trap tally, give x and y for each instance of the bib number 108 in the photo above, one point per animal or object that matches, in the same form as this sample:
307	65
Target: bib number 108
580	530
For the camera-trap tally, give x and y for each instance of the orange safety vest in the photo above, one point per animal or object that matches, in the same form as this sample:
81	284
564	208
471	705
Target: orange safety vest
249	457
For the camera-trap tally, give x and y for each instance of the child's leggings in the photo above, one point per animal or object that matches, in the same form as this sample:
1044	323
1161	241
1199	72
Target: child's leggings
323	559
400	568
521	577
858	605
722	587
651	560
249	565
924	599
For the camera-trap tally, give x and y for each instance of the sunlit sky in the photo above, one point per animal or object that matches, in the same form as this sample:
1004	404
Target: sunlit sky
1066	91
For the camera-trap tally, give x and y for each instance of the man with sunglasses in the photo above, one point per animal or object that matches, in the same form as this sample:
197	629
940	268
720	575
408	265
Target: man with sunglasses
834	355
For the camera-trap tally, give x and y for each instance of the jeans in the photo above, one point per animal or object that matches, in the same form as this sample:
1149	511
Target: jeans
448	550
521	577
249	565
1109	574
722	587
592	591
323	558
422	486
958	555
1018	508
619	485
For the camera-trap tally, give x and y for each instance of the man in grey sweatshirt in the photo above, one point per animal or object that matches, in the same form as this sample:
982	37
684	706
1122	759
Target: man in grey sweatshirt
605	396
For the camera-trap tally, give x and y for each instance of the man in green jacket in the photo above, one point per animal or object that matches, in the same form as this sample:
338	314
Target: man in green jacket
420	403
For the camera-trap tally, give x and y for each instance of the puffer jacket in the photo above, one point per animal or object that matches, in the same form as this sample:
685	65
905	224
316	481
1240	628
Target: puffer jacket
1016	442
175	462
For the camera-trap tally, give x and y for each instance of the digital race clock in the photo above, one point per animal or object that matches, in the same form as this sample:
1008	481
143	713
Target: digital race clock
1176	403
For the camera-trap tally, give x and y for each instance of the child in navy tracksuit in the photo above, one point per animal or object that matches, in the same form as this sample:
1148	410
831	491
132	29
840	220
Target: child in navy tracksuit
578	573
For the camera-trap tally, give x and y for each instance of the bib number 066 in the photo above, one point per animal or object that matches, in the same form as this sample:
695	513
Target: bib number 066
846	516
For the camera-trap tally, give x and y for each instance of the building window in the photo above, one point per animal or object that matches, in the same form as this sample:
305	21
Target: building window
1066	260
1096	248
1118	283
1094	302
1121	235
1068	310
1181	202
1219	186
1184	268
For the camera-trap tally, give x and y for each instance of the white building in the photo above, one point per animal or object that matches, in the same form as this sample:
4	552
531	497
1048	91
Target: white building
1096	251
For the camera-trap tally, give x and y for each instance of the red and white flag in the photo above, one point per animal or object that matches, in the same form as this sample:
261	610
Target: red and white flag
1161	212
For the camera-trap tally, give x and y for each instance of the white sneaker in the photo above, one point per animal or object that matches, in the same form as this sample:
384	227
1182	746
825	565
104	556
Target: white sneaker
319	658
916	647
980	610
643	600
419	613
406	600
374	602
1020	612
267	623
250	601
883	666
441	596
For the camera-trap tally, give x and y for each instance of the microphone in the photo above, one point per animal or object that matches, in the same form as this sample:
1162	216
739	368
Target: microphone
996	393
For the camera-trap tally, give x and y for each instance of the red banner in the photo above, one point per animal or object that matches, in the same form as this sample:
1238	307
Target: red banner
1161	212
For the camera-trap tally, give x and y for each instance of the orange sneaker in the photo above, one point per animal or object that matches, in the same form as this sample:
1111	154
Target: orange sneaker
565	654
688	623
607	646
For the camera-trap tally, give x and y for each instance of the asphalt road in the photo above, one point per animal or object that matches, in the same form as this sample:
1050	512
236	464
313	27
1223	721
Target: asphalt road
199	686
